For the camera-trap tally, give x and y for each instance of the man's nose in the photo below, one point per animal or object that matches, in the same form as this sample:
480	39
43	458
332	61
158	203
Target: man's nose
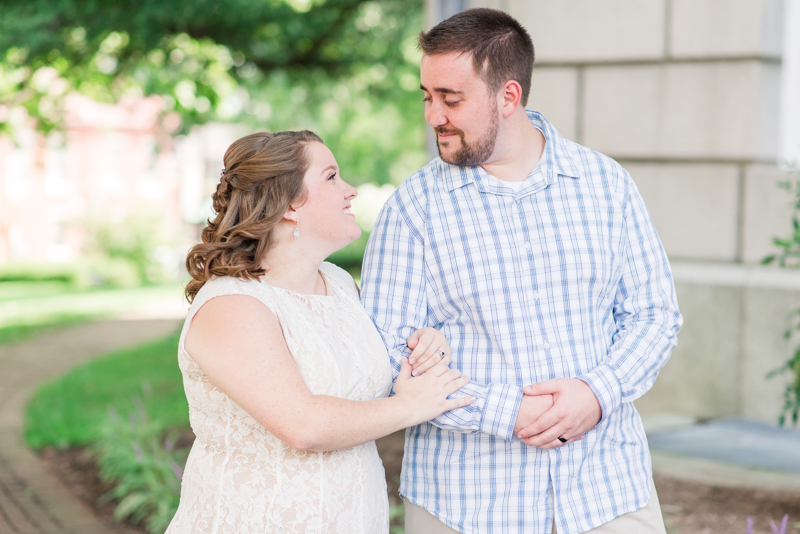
436	117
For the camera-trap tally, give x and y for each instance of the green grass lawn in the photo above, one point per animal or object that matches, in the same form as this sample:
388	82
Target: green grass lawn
28	308
73	409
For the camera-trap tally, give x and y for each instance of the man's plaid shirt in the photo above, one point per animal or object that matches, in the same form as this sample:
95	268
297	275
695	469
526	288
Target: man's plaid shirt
566	278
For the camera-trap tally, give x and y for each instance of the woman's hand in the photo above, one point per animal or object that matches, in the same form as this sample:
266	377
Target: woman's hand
429	347
426	396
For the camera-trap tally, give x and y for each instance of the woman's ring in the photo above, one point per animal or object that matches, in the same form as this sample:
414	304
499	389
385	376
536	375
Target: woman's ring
440	352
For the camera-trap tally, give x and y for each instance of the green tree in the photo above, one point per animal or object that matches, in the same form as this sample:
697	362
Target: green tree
347	68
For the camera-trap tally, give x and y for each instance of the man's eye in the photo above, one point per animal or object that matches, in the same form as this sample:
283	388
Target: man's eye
427	99
451	104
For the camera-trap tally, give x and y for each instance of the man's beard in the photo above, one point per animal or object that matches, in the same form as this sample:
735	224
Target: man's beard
470	155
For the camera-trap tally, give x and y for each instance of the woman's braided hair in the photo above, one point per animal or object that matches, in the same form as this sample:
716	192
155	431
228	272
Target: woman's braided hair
263	175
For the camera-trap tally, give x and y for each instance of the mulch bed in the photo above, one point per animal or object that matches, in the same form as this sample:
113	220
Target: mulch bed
689	507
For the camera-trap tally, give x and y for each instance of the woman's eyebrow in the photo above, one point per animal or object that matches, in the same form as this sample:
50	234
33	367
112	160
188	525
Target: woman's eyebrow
329	167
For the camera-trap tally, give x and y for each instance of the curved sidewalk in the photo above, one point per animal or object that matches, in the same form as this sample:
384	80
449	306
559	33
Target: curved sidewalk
31	499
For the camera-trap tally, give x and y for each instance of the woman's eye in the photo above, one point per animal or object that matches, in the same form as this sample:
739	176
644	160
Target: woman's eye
332	176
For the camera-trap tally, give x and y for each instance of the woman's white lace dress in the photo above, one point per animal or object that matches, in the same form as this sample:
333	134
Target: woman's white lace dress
241	479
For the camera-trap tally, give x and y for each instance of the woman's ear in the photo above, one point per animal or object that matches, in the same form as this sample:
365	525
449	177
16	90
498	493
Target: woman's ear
292	214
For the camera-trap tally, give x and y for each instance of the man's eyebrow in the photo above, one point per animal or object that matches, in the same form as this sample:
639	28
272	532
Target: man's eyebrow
443	90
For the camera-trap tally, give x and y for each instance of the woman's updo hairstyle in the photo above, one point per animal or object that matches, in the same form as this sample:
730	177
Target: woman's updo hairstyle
263	175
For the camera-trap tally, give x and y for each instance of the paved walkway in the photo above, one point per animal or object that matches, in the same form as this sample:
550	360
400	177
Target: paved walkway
729	452
31	499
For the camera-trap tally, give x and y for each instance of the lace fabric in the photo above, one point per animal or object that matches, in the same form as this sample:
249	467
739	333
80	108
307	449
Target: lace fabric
240	478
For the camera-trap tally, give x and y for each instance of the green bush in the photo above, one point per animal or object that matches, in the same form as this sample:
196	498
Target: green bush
144	467
70	410
72	274
124	251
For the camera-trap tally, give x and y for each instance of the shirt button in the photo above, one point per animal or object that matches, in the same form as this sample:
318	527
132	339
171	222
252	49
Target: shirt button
535	295
546	345
527	245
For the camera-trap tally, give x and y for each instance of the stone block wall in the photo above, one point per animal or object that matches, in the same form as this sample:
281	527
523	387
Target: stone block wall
686	94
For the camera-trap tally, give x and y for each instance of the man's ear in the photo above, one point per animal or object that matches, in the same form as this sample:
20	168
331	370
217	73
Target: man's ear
511	97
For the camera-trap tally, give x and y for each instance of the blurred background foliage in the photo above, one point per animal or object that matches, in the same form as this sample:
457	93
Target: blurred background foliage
345	68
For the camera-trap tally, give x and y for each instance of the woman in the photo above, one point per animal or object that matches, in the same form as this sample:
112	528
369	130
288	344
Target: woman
286	377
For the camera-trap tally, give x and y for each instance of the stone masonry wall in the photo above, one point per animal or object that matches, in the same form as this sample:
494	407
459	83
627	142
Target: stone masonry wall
686	95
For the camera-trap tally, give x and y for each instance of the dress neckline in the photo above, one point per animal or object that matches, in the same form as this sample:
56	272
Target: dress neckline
328	289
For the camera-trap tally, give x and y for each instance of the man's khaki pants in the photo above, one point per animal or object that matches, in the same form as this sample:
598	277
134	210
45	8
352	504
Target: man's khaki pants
646	520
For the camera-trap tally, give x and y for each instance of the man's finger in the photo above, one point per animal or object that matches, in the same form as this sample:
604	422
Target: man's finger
547	387
544	422
551	435
548	439
557	443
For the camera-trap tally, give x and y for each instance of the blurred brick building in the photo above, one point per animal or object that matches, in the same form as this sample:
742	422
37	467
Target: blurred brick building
111	161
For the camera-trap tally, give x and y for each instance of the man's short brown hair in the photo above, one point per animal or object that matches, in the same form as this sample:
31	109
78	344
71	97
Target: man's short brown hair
501	48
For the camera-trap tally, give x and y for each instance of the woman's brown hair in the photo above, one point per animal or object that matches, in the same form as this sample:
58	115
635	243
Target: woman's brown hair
263	175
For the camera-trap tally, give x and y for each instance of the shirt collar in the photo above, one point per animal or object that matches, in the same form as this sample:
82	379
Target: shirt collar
555	159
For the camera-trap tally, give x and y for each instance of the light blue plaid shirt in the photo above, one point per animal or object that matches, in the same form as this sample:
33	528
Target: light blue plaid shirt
566	278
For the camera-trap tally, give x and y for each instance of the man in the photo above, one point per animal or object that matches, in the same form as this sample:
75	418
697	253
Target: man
538	261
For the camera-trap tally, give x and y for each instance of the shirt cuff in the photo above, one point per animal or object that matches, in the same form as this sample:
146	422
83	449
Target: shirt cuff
606	387
500	410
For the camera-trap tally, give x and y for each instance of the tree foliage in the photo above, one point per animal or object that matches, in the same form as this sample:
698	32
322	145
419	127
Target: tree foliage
343	67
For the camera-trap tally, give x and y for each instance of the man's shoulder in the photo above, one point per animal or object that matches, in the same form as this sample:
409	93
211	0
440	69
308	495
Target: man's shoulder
593	167
422	180
571	158
588	160
411	195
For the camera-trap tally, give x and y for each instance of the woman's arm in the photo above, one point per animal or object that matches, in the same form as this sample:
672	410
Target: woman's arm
239	345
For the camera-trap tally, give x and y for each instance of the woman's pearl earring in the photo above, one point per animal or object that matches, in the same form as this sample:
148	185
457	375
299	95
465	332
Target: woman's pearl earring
296	233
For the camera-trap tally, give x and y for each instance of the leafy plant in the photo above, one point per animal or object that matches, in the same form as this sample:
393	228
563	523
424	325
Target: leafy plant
772	525
791	395
71	410
788	256
67	273
145	468
197	54
124	250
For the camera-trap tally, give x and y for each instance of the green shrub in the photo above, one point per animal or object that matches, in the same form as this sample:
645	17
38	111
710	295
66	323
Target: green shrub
69	411
72	274
144	467
130	250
